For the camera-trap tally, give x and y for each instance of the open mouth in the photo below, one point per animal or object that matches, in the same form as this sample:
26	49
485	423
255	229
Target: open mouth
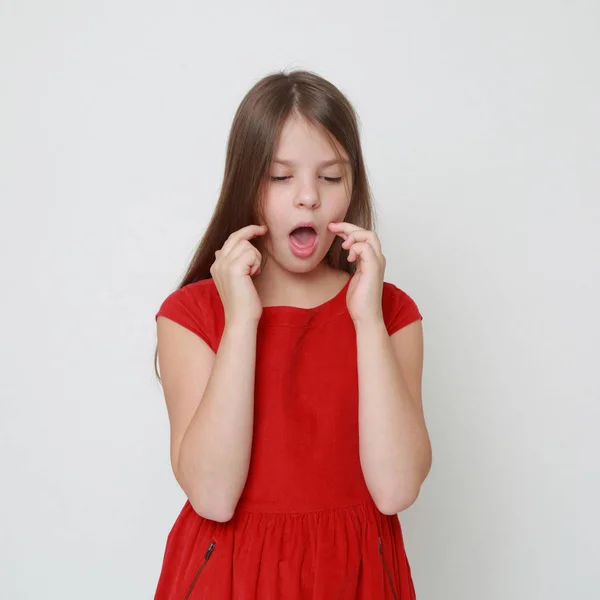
303	241
304	236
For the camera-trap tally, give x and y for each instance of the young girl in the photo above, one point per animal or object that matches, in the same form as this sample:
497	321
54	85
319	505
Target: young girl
292	371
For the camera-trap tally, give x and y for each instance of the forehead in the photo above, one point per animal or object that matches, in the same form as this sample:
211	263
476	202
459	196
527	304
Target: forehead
323	163
301	141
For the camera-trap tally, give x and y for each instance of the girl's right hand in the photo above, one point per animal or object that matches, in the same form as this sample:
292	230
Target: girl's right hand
235	264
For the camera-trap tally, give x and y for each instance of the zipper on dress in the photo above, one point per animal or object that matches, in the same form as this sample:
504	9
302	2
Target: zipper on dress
389	575
211	547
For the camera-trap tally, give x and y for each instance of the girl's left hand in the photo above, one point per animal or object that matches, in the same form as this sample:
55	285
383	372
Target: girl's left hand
366	288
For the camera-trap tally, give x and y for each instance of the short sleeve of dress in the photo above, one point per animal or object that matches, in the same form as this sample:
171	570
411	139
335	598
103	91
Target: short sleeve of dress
399	309
184	308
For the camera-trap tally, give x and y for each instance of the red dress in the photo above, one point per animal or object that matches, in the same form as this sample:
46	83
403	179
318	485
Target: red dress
306	527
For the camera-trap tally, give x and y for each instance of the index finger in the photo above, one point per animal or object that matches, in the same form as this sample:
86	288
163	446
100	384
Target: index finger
245	233
343	229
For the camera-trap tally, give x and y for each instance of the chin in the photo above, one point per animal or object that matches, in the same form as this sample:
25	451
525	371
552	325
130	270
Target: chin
306	268
300	265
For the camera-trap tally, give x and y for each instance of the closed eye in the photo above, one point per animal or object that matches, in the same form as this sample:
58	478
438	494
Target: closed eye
328	179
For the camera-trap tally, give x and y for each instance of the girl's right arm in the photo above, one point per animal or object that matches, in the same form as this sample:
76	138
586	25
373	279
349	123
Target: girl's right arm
210	401
210	397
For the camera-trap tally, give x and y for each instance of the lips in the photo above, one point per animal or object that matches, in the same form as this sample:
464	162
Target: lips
303	239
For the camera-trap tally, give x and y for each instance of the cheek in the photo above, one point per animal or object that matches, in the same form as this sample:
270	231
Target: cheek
338	206
275	216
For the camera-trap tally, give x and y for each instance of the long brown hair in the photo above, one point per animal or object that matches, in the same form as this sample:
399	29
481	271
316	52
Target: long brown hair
254	132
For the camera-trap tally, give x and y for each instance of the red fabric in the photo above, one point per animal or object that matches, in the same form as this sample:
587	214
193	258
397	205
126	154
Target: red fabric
305	526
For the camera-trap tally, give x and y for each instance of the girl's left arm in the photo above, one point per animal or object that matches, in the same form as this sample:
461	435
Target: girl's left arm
395	450
394	446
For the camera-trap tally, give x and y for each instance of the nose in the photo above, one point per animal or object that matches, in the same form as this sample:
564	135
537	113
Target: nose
308	196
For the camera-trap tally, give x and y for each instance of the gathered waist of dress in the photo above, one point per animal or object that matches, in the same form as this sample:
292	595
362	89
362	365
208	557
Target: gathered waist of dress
301	508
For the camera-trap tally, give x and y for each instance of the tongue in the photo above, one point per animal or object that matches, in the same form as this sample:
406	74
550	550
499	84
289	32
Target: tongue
304	236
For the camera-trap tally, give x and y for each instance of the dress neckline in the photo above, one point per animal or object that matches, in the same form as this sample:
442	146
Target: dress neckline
296	316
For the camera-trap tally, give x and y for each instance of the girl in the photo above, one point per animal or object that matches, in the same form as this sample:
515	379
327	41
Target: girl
292	371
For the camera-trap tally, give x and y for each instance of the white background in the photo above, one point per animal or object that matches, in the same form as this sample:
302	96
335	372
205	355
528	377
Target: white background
481	129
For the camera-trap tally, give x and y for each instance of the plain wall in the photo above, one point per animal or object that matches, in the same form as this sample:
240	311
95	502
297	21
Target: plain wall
480	125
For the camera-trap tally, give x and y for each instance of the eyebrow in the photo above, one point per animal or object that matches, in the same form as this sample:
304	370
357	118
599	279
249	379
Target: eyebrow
324	163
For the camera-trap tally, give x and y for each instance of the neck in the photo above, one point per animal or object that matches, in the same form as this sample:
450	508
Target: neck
279	287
